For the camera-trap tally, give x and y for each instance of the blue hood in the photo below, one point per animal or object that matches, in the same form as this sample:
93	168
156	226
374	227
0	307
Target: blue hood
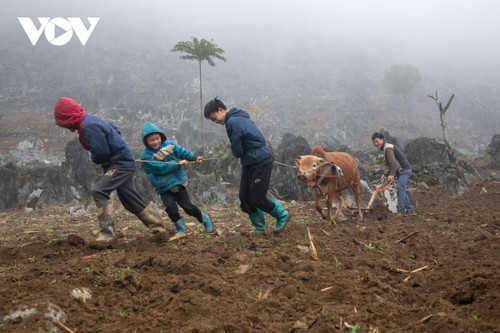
234	112
149	128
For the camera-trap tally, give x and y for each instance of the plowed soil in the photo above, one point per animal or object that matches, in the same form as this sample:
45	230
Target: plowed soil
445	277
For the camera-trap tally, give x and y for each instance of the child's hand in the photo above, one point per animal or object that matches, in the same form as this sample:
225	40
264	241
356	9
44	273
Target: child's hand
183	162
199	159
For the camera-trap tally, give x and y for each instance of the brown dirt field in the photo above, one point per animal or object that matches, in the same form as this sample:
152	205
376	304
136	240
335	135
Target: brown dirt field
238	283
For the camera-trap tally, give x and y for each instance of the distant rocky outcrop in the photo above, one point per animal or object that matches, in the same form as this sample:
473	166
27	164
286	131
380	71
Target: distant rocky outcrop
422	151
493	151
78	168
9	183
284	182
431	165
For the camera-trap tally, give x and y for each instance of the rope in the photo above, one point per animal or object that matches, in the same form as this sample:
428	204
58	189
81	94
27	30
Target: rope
323	175
161	162
290	166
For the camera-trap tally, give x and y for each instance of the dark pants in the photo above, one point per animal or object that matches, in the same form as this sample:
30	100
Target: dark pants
253	188
123	183
171	199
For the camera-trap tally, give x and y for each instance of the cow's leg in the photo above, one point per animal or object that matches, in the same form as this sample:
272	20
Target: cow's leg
340	205
357	196
317	197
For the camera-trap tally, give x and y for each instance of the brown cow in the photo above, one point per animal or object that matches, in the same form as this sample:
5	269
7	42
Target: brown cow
329	173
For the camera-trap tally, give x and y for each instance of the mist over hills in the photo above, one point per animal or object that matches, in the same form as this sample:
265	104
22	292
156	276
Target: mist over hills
312	68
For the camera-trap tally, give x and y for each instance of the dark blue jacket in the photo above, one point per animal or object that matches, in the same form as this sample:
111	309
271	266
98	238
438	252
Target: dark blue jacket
247	141
163	176
107	147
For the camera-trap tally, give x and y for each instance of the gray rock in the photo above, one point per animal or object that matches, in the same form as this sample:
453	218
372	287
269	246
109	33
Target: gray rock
494	151
284	182
8	186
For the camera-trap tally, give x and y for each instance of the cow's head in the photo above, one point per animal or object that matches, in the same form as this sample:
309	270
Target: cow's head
309	167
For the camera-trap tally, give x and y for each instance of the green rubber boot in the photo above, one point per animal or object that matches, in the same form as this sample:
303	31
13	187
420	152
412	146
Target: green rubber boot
258	222
281	215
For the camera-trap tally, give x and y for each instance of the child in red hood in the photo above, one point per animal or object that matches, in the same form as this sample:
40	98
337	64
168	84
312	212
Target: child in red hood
108	149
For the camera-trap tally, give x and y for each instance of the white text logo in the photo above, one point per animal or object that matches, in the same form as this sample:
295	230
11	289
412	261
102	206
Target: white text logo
58	30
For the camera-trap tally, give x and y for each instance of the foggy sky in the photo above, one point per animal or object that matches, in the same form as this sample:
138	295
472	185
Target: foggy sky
425	33
273	44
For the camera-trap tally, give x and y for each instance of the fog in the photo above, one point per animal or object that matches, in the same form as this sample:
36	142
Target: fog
293	57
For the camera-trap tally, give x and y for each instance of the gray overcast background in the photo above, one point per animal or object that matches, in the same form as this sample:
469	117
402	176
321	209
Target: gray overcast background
276	47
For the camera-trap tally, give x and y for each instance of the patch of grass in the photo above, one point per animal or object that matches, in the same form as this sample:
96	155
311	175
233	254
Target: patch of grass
120	278
450	234
32	259
259	294
102	316
476	317
425	179
339	265
369	246
122	314
14	266
352	328
117	276
257	254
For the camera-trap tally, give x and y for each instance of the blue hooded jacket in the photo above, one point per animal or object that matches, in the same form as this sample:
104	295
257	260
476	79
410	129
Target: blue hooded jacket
163	176
247	141
106	145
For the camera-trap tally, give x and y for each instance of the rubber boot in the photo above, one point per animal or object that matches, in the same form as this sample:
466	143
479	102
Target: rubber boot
207	223
179	225
106	221
281	216
150	220
258	222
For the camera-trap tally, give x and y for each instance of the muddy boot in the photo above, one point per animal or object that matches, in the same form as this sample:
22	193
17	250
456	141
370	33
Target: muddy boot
207	223
258	222
281	216
150	220
106	221
179	225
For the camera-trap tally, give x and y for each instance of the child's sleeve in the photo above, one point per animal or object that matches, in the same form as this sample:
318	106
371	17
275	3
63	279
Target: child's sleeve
155	167
182	153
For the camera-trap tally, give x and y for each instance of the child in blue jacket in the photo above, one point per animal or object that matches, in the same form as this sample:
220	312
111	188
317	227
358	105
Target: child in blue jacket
166	175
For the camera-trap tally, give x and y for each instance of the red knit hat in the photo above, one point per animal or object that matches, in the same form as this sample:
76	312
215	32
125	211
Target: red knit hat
68	113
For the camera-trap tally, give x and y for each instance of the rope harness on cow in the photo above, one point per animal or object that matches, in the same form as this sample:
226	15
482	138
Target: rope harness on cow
339	174
338	171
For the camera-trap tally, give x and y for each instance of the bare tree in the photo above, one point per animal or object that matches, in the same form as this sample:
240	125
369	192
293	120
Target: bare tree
442	112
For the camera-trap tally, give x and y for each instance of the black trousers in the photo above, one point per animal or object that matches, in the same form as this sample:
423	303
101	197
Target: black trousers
253	188
171	199
123	183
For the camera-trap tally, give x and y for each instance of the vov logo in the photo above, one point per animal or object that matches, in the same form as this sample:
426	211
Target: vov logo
64	27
